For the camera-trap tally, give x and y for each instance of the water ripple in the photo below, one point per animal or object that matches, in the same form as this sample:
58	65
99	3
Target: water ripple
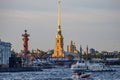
58	74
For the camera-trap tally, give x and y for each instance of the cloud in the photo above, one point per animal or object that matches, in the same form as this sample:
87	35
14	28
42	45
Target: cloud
95	23
92	16
27	4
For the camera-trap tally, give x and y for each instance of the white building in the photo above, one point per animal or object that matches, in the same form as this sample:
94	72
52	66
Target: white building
110	53
5	52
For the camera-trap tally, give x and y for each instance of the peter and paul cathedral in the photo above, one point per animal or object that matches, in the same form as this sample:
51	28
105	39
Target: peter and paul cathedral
59	46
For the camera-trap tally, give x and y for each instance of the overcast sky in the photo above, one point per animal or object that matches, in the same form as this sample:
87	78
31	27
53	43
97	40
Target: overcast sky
95	23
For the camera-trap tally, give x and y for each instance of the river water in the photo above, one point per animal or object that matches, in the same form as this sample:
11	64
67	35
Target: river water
58	74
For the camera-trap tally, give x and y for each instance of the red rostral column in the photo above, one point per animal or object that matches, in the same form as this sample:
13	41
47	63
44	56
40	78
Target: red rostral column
25	42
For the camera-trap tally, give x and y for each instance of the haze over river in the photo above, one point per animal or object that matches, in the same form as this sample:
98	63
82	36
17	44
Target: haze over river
58	74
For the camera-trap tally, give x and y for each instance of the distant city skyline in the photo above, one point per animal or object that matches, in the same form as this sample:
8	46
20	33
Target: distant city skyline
95	23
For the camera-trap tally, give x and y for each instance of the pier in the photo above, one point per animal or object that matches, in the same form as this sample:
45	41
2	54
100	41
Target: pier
20	69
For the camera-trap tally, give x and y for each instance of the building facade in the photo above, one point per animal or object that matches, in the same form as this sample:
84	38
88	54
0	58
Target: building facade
71	48
107	54
59	49
5	52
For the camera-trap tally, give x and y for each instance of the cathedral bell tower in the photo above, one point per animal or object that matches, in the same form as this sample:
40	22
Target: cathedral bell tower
58	50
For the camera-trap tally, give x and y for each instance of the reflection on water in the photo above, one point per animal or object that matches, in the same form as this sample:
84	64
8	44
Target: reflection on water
58	74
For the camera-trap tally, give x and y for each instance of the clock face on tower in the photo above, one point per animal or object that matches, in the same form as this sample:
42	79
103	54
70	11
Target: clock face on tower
57	41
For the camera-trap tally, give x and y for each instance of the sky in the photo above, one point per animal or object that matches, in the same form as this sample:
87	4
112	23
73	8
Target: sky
95	23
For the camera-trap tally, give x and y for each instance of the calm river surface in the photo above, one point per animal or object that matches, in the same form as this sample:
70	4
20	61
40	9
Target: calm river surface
58	74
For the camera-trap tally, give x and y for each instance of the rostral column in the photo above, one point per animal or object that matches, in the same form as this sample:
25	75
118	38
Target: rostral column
25	42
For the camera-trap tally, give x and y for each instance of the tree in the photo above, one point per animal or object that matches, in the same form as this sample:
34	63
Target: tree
13	53
118	55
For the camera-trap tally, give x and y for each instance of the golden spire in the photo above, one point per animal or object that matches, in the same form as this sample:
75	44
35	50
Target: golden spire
59	17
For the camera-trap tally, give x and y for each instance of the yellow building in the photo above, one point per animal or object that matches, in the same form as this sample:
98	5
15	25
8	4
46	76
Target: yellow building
58	50
72	47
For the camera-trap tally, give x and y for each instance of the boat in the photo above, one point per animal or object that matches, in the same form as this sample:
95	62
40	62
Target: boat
91	67
80	75
78	66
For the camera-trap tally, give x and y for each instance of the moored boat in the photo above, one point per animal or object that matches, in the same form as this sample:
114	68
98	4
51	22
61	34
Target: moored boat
92	67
